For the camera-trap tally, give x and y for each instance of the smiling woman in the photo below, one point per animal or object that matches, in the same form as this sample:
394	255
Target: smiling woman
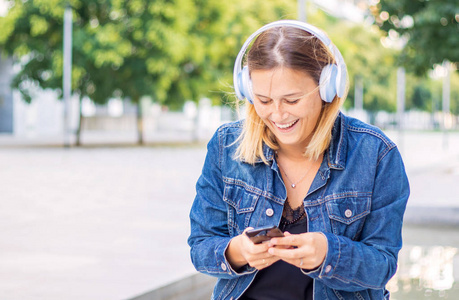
290	108
334	185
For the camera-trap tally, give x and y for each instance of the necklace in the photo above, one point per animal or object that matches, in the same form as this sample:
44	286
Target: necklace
290	215
293	184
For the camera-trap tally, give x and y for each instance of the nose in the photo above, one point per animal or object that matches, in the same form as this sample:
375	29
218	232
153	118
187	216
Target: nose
278	112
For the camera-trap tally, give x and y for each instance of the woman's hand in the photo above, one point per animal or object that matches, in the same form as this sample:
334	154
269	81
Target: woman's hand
306	250
242	251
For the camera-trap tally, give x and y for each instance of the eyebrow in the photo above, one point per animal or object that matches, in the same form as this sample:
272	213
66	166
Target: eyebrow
283	96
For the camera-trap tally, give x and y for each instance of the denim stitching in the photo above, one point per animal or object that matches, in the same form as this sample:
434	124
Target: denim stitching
338	295
252	189
386	141
382	155
359	296
230	289
338	153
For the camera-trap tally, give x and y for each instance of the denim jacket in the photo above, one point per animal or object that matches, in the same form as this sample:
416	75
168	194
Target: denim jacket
357	199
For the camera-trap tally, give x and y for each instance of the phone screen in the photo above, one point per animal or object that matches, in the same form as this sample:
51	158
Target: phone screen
260	235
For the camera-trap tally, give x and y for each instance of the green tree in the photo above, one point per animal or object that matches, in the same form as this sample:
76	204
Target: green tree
169	50
124	48
419	93
430	29
156	37
219	30
368	59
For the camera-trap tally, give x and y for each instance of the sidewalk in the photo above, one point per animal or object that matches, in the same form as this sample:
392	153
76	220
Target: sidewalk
94	223
432	163
112	222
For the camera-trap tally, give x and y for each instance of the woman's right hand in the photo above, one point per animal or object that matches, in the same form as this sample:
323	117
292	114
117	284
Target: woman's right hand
242	251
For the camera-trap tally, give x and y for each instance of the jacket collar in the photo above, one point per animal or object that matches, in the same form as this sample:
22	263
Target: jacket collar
269	154
336	152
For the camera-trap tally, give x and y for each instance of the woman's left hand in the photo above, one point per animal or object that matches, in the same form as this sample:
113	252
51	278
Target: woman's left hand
306	250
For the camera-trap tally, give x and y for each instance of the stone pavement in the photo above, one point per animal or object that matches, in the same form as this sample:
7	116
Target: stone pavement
432	164
112	222
94	223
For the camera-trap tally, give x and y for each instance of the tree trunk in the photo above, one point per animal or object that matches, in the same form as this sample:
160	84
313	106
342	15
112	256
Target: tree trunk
139	123
78	132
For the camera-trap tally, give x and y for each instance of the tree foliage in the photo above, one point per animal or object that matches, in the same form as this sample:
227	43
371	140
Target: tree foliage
429	28
180	50
169	50
366	58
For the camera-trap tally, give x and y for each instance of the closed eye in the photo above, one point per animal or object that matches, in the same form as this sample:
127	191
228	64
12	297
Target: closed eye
264	100
291	101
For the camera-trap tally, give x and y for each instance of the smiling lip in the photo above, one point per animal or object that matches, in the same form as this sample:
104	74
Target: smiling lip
285	126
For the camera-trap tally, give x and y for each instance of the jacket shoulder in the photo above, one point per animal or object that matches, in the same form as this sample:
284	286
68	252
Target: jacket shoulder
357	127
228	133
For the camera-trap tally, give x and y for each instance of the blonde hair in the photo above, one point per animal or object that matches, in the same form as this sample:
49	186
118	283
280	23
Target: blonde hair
300	51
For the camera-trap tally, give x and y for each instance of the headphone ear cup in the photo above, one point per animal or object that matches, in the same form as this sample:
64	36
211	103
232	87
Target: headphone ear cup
341	81
327	82
245	85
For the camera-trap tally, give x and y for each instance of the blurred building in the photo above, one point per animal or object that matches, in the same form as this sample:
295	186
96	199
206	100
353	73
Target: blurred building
6	95
352	10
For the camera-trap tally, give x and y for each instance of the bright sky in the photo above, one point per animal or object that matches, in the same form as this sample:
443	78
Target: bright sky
3	8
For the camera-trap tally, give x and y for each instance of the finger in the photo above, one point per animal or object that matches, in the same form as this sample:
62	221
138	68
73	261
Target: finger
266	262
293	257
288	240
248	228
285	253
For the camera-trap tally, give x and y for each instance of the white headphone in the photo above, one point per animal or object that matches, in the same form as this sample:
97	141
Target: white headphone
332	79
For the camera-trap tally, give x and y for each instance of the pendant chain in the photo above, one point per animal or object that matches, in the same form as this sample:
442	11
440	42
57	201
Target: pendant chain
293	184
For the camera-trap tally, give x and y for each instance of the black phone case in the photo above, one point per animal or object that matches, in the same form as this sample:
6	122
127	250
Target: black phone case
259	235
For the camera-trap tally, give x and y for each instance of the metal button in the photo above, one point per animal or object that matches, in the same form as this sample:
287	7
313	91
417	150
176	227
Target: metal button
328	268
348	213
269	212
223	266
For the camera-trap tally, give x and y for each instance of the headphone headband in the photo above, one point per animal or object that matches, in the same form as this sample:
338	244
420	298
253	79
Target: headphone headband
336	72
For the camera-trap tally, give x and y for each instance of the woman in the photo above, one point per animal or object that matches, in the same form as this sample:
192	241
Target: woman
336	186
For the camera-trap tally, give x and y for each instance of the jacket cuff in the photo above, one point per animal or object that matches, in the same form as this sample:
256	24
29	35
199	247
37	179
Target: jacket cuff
225	266
331	261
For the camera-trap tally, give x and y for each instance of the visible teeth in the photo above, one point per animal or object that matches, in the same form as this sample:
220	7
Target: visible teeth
285	125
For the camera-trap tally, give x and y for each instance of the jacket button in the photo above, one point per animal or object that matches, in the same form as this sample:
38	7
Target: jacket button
348	213
223	266
328	268
269	212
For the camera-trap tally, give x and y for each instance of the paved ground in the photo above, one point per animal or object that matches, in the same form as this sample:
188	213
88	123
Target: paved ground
112	222
106	223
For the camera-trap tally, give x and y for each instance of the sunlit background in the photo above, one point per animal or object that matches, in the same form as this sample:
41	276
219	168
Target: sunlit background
106	107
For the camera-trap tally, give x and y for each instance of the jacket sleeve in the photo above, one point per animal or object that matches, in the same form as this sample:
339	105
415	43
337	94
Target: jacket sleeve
370	262
209	236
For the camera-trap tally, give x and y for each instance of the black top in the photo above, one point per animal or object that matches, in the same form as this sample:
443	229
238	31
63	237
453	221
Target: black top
282	280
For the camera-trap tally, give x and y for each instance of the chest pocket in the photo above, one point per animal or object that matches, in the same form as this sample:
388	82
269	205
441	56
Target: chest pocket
241	205
347	213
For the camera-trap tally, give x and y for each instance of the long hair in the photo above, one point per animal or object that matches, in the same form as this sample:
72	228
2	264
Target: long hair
298	50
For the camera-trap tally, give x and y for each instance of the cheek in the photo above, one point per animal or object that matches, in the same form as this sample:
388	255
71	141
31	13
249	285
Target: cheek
312	111
261	111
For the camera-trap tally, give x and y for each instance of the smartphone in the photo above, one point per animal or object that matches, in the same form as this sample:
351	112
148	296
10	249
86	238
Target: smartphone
260	235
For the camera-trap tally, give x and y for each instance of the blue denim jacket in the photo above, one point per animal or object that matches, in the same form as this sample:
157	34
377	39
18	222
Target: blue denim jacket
357	199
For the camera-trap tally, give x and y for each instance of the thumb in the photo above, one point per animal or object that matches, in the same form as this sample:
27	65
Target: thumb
247	229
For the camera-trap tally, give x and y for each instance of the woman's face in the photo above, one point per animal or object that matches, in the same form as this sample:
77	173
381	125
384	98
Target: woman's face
288	102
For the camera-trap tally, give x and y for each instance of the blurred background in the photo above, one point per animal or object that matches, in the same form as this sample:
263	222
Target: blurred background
106	107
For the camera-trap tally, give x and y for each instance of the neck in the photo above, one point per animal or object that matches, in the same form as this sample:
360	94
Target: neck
292	152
